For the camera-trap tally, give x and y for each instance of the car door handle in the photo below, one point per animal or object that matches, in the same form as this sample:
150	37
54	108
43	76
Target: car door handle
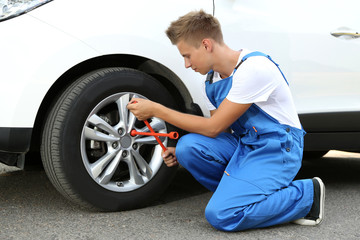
346	33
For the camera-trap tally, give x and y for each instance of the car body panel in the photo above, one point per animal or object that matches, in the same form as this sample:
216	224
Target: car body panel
31	64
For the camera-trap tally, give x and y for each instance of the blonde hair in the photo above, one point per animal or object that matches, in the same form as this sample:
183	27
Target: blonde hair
194	27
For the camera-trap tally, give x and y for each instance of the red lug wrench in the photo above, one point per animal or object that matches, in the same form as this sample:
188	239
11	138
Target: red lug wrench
172	135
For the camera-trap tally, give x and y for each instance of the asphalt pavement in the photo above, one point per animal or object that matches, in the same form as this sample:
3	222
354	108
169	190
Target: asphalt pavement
30	208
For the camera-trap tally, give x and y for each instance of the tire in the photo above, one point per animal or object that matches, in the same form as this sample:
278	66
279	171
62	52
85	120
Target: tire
87	150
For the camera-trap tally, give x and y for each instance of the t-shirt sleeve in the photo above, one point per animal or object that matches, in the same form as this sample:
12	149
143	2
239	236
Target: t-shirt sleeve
254	81
208	104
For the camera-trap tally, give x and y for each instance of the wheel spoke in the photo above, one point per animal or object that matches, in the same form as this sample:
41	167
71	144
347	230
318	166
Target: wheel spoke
92	134
157	124
135	176
122	109
110	170
148	140
132	118
103	125
97	167
143	165
131	123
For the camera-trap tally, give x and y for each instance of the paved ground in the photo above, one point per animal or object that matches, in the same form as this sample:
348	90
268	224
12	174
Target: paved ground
30	208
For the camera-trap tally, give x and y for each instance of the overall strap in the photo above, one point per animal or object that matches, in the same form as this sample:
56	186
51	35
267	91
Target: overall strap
253	54
210	76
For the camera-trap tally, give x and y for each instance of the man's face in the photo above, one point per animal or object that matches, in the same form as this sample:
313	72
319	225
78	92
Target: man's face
196	58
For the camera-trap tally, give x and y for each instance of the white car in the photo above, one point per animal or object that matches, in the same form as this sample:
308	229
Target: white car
68	69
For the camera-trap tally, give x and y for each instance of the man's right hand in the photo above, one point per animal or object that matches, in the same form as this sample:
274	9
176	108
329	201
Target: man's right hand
169	157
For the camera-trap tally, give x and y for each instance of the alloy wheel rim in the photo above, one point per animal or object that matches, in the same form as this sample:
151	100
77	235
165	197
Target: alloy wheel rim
112	157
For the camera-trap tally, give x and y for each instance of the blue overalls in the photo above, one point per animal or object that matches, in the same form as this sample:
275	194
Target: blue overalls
250	171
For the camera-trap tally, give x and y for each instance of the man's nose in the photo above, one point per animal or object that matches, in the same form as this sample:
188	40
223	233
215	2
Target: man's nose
187	63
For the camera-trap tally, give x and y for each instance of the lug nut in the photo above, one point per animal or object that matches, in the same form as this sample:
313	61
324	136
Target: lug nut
121	131
115	145
124	154
135	146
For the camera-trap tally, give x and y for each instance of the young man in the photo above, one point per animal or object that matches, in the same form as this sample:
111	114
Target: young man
251	168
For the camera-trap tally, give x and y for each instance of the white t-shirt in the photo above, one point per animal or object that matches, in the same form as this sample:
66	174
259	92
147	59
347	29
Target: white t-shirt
259	81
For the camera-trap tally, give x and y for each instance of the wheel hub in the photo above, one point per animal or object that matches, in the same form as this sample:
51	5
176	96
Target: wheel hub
125	141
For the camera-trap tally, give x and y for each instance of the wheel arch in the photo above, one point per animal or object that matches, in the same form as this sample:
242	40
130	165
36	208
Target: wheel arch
164	75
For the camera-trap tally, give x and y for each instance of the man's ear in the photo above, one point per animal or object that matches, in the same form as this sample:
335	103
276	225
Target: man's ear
207	44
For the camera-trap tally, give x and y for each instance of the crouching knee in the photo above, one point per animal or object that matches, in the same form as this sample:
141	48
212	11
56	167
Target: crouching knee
218	218
185	148
225	219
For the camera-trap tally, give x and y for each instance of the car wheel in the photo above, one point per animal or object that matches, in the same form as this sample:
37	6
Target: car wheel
87	150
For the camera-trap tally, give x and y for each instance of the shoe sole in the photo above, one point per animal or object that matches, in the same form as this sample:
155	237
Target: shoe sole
307	222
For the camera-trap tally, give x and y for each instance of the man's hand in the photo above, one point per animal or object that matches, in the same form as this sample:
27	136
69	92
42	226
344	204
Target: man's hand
169	157
142	108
